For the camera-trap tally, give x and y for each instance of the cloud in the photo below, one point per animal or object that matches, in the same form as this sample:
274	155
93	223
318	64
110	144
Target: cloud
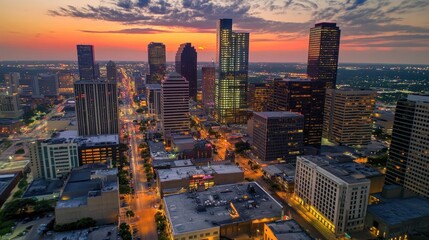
130	31
355	17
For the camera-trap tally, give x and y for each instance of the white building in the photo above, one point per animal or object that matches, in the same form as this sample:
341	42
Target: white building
174	104
336	197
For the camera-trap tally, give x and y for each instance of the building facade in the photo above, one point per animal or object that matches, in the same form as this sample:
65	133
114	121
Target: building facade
336	198
157	62
348	116
9	106
174	105
47	85
186	65
259	94
85	57
208	86
301	95
232	55
111	71
96	107
278	136
153	99
409	148
323	52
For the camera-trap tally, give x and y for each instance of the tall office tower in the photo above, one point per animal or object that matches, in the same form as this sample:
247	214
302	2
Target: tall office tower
278	136
46	85
301	95
335	195
85	58
153	99
232	55
323	51
11	81
208	89
258	96
186	65
9	106
157	62
96	107
111	71
409	150
97	70
174	105
348	116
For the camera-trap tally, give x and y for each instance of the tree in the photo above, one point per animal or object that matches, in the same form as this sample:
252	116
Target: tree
240	147
124	189
129	213
124	231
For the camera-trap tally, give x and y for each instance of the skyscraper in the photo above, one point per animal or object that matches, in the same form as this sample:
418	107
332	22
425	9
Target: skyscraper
186	65
96	102
174	105
323	51
301	95
259	94
85	58
209	78
348	116
111	71
409	150
157	62
47	85
278	136
232	55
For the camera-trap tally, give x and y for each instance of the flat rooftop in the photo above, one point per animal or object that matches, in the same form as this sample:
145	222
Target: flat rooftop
350	172
71	136
400	210
218	206
288	230
277	114
42	187
186	172
156	147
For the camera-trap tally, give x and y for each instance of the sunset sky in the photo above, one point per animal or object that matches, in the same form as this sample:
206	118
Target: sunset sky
373	31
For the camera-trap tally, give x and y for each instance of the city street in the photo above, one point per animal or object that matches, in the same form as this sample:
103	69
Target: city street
144	199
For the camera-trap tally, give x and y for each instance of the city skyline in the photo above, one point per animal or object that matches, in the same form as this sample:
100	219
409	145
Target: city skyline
372	31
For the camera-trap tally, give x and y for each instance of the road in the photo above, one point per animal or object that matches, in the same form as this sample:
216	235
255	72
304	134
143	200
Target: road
144	199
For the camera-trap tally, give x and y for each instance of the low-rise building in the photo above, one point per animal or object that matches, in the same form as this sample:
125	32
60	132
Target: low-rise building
9	126
336	196
91	191
198	178
227	211
44	189
7	184
282	174
285	230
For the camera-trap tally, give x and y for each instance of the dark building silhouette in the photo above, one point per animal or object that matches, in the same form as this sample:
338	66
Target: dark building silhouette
208	86
186	65
157	62
259	94
232	55
301	96
85	57
111	71
323	51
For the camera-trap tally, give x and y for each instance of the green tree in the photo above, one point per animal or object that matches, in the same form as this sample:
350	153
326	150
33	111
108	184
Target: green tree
129	213
240	147
124	231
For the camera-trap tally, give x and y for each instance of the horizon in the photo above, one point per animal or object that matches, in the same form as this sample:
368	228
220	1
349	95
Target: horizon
371	31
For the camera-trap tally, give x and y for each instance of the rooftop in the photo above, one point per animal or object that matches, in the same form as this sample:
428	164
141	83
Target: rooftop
220	205
277	114
186	172
5	180
71	136
288	230
400	210
350	172
42	187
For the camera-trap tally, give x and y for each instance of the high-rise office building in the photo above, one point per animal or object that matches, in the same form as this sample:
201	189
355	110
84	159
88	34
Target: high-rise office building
301	95
232	55
174	105
323	51
335	195
46	85
208	86
153	99
11	82
348	116
97	70
409	150
85	57
259	94
96	107
278	136
186	65
111	71
9	106
157	62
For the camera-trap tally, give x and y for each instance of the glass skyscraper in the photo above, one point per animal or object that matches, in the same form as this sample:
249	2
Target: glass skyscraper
85	58
323	51
157	62
232	55
186	65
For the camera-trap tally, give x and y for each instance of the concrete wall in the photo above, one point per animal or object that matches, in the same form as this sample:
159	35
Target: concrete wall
228	178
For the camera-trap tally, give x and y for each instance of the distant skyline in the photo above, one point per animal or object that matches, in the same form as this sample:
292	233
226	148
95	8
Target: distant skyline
373	31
